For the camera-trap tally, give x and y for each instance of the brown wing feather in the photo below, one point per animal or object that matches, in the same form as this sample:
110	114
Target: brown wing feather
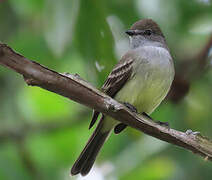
94	118
117	78
115	81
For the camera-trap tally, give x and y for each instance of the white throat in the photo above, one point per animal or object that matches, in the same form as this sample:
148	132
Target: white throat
141	41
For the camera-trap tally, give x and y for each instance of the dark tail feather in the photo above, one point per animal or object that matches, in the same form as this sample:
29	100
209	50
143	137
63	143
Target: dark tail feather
87	157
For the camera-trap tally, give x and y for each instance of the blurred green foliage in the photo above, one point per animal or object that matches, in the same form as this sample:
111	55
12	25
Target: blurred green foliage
87	37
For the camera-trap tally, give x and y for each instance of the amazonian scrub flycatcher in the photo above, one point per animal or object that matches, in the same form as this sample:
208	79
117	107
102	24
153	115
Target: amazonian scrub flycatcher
141	79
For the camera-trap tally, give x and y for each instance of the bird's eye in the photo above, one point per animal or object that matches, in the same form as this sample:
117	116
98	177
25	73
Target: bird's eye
147	32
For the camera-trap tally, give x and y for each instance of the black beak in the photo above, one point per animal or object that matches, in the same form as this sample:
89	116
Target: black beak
130	32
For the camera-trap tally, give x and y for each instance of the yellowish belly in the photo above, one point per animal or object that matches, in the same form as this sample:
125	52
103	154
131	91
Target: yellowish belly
146	91
153	73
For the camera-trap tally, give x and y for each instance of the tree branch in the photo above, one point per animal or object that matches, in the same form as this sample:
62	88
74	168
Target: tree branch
190	69
75	88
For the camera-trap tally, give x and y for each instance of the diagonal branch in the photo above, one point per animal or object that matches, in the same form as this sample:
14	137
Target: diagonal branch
191	68
76	89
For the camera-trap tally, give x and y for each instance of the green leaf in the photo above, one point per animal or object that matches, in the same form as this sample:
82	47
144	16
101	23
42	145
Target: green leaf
37	104
60	17
27	9
94	38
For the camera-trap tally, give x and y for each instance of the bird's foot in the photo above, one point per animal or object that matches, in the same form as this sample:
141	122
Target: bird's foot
165	124
119	128
145	114
130	107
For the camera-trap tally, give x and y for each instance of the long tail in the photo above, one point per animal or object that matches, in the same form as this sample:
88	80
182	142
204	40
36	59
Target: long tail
87	157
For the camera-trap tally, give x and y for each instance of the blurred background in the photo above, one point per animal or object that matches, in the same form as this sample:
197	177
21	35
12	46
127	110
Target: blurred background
42	134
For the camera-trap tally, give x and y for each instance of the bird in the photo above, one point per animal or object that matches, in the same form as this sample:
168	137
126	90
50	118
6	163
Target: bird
140	80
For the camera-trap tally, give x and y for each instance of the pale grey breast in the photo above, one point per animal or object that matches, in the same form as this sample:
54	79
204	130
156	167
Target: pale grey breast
151	78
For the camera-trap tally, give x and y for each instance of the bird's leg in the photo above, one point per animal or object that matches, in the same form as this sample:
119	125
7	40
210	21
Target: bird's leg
130	107
145	114
121	126
166	124
133	109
